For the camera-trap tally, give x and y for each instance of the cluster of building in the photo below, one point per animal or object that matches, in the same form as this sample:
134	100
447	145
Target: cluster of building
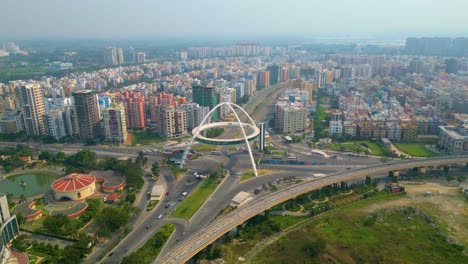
293	107
239	50
115	56
11	48
402	107
437	46
397	97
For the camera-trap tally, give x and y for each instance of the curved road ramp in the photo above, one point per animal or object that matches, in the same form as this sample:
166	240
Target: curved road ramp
207	235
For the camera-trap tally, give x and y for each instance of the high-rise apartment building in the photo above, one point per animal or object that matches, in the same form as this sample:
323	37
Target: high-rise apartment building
134	104
115	125
162	99
263	79
226	96
139	57
303	86
437	46
87	114
172	122
195	114
290	118
58	122
32	103
113	56
274	70
206	96
284	74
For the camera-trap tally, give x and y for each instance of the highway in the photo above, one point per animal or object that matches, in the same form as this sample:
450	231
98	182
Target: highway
207	235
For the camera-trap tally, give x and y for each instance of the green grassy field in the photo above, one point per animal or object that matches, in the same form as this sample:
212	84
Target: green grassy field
427	140
204	147
415	149
145	138
353	236
195	200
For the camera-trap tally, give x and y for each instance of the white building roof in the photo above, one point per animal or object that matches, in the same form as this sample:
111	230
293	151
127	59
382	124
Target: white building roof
157	192
241	198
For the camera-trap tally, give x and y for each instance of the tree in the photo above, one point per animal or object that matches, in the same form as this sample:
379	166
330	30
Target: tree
83	159
139	158
461	178
449	178
112	218
155	168
368	181
55	224
315	248
45	155
144	162
60	156
109	163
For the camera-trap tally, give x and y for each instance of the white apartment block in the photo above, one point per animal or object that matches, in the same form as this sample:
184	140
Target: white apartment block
453	139
292	119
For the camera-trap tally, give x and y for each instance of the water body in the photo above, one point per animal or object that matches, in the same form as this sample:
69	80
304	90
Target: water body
29	184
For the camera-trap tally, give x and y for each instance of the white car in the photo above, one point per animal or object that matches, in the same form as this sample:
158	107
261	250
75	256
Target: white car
159	217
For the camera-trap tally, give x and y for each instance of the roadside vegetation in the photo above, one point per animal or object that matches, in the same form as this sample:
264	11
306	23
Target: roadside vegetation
249	173
150	250
190	205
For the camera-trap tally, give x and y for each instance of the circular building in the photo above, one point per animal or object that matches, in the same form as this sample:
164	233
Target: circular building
74	186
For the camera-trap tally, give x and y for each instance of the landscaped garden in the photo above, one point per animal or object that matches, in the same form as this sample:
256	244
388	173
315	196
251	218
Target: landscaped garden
415	149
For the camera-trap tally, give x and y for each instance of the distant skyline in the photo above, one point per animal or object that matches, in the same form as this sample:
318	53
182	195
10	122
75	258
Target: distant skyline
124	19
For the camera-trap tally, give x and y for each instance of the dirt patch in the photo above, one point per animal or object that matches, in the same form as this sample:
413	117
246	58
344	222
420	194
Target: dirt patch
445	206
128	142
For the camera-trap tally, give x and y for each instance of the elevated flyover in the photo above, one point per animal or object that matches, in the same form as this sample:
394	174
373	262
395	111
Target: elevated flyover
207	235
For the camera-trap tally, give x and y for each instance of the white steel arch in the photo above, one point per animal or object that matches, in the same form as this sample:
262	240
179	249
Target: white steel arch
208	117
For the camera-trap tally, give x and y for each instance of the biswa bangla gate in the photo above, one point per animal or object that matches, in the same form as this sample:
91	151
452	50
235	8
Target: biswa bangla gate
205	124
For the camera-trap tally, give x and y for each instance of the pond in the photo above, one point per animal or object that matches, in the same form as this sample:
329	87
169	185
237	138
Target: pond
28	184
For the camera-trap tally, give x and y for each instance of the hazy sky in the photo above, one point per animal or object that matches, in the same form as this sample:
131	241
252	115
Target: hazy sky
146	18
